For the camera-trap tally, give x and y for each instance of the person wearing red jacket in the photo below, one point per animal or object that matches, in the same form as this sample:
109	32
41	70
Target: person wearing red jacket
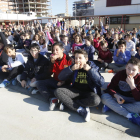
104	56
58	61
123	93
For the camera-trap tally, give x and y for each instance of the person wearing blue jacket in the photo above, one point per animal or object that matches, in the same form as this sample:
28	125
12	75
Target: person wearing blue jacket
88	48
121	57
85	85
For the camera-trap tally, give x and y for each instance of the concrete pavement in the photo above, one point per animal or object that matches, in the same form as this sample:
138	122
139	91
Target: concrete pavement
23	117
27	117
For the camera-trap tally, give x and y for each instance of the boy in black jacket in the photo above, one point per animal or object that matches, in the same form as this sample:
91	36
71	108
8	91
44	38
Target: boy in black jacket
36	68
85	86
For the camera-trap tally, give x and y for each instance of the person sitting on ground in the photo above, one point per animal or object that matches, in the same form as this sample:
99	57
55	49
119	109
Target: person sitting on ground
96	43
66	45
109	40
130	45
27	42
77	43
120	36
20	44
36	68
123	93
104	56
85	87
36	39
121	57
88	48
59	61
115	42
43	46
134	39
14	66
6	36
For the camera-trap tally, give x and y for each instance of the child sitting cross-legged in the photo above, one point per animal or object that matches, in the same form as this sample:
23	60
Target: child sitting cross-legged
14	66
85	87
36	68
58	61
104	56
121	57
123	93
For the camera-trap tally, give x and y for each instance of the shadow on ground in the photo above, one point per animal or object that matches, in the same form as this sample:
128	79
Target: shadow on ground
110	118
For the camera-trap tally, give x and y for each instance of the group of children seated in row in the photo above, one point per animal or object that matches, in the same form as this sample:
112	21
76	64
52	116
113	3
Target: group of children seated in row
75	82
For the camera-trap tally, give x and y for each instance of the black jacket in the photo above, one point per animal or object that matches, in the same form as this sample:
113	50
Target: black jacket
3	55
39	69
3	58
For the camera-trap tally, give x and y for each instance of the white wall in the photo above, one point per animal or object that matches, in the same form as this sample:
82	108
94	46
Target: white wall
134	20
135	1
16	17
101	9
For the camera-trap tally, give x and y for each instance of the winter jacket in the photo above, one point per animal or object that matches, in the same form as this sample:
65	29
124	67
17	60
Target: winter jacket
122	58
90	51
105	55
39	69
94	78
59	65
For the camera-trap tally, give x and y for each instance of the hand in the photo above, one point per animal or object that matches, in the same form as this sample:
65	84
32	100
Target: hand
60	83
23	83
33	80
122	50
118	51
53	58
4	66
44	46
119	99
99	59
130	81
86	67
75	67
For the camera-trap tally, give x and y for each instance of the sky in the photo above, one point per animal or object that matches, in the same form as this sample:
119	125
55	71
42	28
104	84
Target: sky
59	6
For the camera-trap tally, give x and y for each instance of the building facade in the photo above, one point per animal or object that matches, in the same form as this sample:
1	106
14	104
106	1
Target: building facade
124	13
4	6
38	7
83	8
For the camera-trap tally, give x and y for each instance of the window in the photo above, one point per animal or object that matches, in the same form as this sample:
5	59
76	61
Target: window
118	20
110	3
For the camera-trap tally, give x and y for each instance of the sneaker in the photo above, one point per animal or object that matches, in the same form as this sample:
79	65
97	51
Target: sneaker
85	112
135	118
105	109
61	107
34	91
4	84
53	103
14	82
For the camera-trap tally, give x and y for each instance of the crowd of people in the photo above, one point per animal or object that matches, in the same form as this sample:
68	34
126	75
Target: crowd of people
59	63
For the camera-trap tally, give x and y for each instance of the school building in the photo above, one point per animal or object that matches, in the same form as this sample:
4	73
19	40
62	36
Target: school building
123	13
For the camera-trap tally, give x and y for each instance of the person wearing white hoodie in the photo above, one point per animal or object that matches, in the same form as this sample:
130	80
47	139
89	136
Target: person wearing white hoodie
14	67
